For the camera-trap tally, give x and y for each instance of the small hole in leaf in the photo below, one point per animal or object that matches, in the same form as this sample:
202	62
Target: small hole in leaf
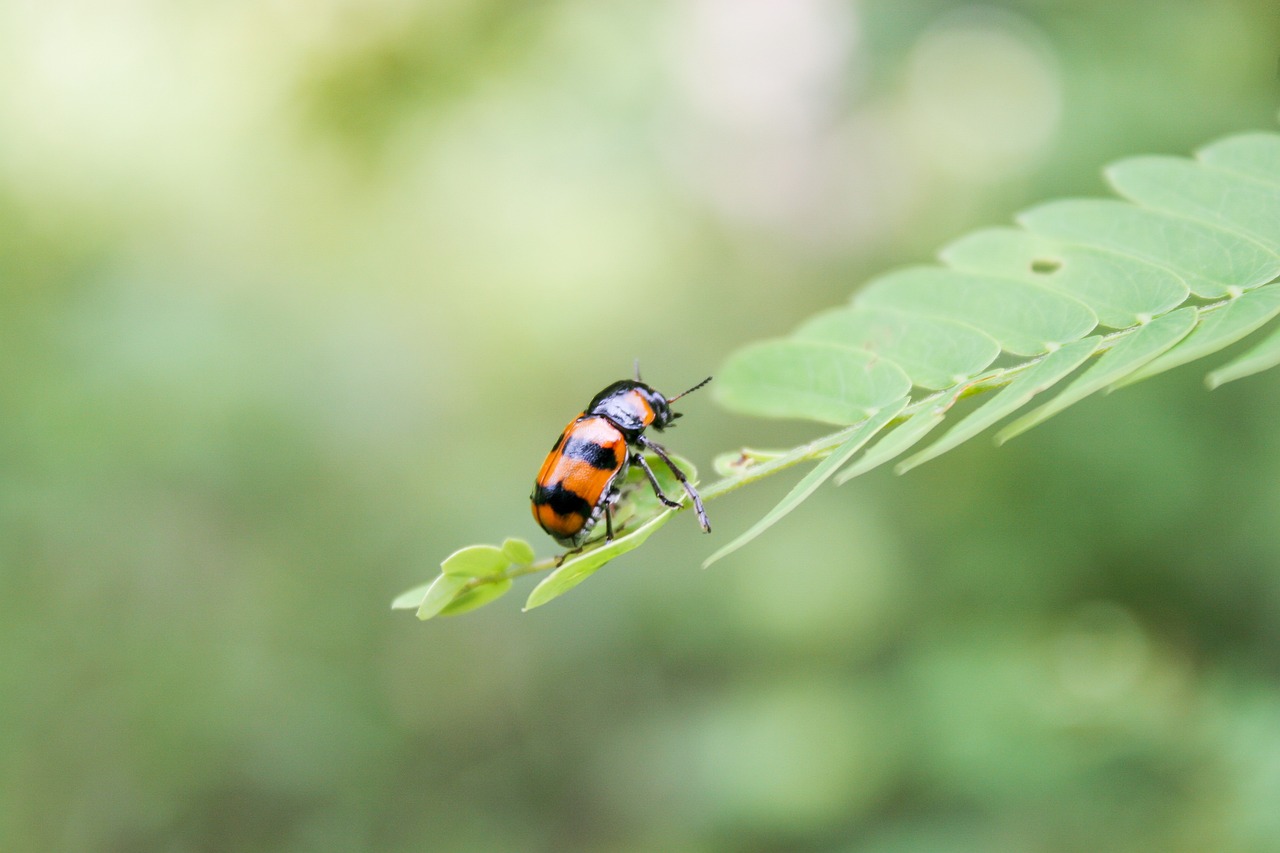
1045	266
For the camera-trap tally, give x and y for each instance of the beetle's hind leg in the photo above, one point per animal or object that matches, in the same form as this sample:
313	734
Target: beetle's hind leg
684	481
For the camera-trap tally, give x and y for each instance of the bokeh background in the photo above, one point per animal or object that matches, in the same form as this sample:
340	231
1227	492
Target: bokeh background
295	295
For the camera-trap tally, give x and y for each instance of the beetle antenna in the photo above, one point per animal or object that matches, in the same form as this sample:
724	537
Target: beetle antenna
636	364
690	391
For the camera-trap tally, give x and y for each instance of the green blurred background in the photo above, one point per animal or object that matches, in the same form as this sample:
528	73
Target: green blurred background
295	295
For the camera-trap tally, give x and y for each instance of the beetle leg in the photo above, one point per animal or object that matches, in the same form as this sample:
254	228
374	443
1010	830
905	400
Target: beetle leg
653	481
684	481
570	553
608	523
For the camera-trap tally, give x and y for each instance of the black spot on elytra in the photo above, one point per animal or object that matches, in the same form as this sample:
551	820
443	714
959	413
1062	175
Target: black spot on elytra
561	500
595	455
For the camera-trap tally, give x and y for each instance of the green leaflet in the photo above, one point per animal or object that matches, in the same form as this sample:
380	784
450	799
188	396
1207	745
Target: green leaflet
809	379
410	599
1265	355
1039	377
440	593
933	352
903	437
1120	289
518	552
1228	199
819	475
1254	155
1132	353
469	578
475	561
476	597
1024	318
1216	330
1210	260
578	568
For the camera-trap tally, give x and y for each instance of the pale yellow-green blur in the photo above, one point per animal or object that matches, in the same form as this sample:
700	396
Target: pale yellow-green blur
295	296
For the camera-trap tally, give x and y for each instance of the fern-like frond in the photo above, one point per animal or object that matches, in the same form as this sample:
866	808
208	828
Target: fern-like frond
1183	267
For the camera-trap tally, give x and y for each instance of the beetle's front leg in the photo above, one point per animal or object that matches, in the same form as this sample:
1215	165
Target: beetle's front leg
684	481
653	480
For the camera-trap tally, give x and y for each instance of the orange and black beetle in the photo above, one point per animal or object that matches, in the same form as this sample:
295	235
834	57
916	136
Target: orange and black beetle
579	481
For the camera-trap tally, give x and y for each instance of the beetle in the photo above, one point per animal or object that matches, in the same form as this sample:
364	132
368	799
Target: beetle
582	475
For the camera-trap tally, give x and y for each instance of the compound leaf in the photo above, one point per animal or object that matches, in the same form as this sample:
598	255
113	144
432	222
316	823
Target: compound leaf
1185	264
